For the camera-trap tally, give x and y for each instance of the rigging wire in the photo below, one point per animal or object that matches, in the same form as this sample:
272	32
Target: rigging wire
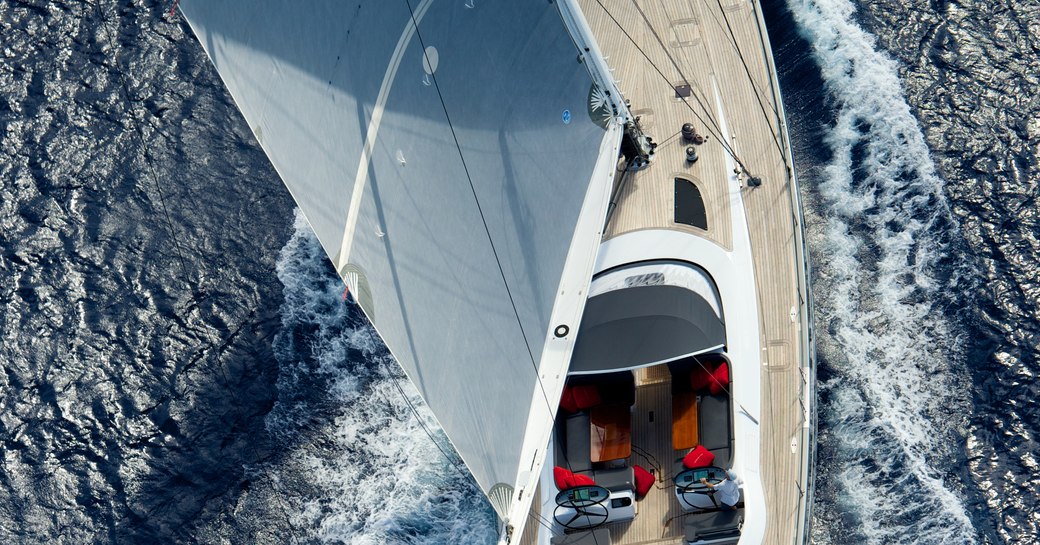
411	406
711	126
650	458
540	520
543	522
668	55
740	53
725	359
619	187
754	86
138	133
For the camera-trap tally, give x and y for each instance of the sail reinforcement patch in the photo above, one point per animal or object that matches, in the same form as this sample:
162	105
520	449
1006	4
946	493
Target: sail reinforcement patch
501	495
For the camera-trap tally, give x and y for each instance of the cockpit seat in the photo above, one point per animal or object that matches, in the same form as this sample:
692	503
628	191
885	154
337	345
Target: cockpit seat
599	536
615	480
578	443
713	422
714	527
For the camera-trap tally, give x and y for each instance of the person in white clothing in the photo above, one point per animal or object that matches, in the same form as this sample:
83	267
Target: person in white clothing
728	491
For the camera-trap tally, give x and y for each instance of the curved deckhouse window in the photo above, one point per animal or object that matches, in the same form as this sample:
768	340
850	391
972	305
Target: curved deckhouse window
689	205
663	272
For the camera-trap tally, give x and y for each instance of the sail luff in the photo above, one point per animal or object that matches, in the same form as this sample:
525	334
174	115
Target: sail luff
573	291
254	119
566	317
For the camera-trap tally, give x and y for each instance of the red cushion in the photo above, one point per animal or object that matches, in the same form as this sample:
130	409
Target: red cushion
698	457
719	379
700	378
565	479
644	480
586	396
567	401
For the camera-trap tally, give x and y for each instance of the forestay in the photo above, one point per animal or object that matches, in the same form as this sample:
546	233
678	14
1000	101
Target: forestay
443	170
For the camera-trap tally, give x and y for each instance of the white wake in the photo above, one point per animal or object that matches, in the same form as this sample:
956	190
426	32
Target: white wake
892	408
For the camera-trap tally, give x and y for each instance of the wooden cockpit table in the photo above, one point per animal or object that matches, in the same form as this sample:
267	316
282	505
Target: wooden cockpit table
684	421
611	435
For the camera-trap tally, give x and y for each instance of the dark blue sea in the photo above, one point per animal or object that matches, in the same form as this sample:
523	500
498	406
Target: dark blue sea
179	366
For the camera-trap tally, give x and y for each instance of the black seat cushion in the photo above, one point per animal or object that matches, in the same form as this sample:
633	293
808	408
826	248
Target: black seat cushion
578	444
713	421
599	536
714	525
615	480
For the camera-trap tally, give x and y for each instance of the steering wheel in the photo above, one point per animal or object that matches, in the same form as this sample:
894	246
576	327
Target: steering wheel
689	482
584	518
588	505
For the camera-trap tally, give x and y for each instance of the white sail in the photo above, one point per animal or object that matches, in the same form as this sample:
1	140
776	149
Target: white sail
442	151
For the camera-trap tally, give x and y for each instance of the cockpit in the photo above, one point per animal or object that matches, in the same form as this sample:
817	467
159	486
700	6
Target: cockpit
644	429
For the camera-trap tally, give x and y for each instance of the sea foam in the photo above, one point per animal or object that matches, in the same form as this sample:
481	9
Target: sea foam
362	471
894	398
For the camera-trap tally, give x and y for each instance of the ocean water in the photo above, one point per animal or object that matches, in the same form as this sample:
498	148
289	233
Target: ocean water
179	365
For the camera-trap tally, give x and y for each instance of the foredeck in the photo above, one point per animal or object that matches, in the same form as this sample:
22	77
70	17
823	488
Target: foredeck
718	49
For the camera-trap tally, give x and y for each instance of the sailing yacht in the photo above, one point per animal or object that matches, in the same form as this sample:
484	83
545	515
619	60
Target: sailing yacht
575	225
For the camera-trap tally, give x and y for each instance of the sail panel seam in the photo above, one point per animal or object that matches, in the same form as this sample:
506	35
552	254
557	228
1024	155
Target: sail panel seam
361	177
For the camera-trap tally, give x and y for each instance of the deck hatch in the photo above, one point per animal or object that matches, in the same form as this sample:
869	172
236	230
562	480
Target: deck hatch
689	205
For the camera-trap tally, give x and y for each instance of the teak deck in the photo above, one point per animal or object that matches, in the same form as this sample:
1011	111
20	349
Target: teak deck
717	48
